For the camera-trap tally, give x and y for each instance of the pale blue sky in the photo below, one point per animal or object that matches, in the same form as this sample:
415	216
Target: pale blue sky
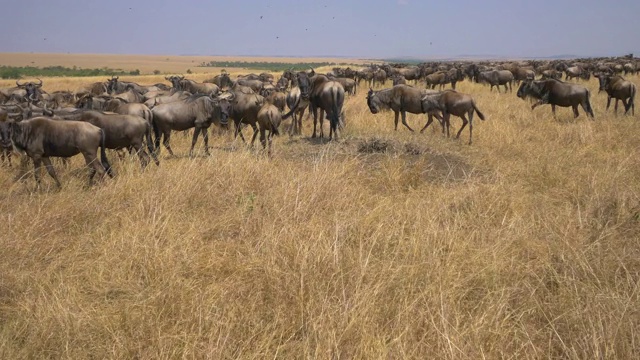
366	29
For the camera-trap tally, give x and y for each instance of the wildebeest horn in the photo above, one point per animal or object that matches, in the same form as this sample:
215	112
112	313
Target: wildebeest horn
18	83
39	83
181	77
167	78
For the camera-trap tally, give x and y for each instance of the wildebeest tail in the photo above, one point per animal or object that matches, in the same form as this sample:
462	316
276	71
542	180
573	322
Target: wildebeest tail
632	97
103	155
335	119
156	132
588	104
274	128
480	115
293	109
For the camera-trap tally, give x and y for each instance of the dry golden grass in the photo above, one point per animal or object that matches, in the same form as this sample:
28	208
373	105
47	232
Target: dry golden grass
146	63
523	245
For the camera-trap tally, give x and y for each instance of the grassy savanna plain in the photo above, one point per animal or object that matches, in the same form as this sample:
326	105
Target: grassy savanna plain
385	244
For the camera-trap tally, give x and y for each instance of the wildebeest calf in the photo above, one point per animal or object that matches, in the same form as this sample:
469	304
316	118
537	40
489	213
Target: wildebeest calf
451	102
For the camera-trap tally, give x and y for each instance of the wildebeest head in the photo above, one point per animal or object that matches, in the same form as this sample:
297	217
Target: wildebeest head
529	88
225	110
604	79
304	84
373	102
112	84
31	88
175	81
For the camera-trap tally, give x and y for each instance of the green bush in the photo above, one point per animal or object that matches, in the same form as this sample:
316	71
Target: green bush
15	72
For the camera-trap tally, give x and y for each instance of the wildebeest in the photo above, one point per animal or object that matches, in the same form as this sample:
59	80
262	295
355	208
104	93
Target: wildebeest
349	85
121	106
33	90
198	111
274	97
298	100
328	97
398	79
451	102
121	131
180	83
577	72
497	78
379	76
41	138
223	81
269	119
551	74
556	92
620	89
5	137
401	99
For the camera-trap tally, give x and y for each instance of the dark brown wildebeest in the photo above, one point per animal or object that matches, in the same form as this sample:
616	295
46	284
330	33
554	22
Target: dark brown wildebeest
401	99
41	138
451	102
556	93
497	78
269	119
120	131
198	111
328	97
620	89
5	137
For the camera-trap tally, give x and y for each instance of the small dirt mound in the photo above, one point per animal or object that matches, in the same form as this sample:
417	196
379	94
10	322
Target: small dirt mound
374	145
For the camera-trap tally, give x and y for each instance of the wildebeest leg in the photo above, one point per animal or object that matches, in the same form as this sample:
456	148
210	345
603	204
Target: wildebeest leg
205	137
94	166
429	121
23	168
294	124
608	102
314	110
255	133
196	133
446	117
404	120
142	155
396	115
464	123
321	122
575	111
470	113
165	141
37	164
263	138
615	107
50	170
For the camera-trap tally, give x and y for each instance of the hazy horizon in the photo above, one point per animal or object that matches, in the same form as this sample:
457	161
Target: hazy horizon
346	29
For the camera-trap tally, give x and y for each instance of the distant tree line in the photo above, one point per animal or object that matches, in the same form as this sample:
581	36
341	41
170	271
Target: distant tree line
16	72
270	66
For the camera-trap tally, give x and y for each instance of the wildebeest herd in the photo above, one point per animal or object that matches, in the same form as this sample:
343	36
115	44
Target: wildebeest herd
124	115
